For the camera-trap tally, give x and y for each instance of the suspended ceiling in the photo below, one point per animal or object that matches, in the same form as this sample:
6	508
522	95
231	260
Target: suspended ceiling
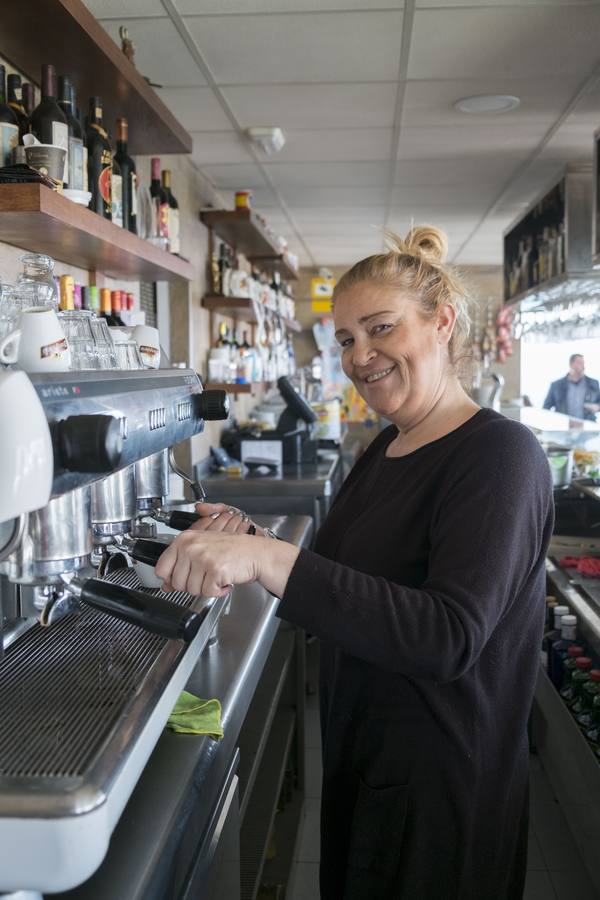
364	93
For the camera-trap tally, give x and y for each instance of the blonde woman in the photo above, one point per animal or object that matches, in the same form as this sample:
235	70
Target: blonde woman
426	588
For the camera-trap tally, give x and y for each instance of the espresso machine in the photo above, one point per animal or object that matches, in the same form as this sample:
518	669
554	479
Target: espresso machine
92	661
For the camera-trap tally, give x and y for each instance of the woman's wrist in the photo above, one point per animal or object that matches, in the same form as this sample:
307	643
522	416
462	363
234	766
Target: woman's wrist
275	563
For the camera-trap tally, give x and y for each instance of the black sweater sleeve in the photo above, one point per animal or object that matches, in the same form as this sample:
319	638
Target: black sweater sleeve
489	528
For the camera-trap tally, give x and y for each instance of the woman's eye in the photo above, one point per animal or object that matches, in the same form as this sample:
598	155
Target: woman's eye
346	342
379	329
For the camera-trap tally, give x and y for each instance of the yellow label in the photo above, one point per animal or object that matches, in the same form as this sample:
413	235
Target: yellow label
321	306
321	288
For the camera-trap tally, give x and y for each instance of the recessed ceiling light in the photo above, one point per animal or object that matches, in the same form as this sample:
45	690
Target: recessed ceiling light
487	103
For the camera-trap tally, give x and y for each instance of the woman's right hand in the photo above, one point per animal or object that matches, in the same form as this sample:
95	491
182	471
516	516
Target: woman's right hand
222	517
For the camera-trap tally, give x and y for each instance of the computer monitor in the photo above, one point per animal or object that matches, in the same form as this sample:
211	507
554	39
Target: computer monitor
296	404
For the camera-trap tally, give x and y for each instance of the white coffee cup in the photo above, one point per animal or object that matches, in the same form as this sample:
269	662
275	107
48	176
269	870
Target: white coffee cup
38	344
148	341
26	458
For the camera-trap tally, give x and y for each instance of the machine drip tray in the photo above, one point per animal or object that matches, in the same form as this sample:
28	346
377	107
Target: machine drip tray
75	697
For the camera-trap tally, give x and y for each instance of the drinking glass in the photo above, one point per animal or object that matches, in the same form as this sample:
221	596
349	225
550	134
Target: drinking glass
128	355
37	271
76	325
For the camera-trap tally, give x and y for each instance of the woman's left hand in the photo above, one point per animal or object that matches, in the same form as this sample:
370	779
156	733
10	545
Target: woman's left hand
209	563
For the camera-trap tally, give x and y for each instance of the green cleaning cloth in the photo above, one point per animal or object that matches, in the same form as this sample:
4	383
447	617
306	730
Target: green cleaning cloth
191	715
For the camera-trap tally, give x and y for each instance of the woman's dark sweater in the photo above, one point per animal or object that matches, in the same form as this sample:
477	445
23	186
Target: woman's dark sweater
426	588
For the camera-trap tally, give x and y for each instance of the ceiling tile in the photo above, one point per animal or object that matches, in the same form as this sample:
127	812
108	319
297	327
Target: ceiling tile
196	108
160	53
444	196
515	142
220	147
505	41
236	177
336	144
314	106
337	216
542	99
444	4
118	9
333	196
466	169
571	144
299	48
229	7
329	174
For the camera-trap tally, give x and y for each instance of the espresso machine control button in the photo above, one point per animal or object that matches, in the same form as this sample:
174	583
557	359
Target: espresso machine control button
87	443
212	405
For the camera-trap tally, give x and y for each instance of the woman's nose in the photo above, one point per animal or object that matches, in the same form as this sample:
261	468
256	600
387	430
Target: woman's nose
362	353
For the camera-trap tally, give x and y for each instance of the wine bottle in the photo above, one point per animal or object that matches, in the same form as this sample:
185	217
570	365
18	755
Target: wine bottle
75	175
128	174
28	98
116	301
106	307
48	122
99	162
174	244
9	127
84	153
161	205
15	101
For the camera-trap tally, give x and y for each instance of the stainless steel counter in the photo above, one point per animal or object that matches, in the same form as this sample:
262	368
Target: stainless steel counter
303	489
180	786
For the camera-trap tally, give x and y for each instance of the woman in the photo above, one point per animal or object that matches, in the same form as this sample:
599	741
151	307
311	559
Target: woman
426	588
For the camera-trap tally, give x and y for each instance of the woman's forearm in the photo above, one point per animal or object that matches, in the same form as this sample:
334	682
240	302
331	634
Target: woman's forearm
276	561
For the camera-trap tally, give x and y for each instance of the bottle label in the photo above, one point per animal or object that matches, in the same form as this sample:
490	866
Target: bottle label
163	220
55	350
133	194
9	139
76	180
174	244
105	178
117	199
60	138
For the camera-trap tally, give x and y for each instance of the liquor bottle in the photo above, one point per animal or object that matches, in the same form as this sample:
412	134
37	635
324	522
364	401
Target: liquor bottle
106	307
84	153
9	126
129	178
173	226
116	303
28	98
75	173
583	712
579	673
99	162
161	205
117	193
14	98
48	122
67	293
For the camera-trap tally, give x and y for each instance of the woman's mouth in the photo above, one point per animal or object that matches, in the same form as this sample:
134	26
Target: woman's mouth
378	376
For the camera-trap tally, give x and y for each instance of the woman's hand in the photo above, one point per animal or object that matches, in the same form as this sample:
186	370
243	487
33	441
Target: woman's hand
208	563
221	517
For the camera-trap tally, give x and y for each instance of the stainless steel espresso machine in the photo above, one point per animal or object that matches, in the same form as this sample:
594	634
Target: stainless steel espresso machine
92	661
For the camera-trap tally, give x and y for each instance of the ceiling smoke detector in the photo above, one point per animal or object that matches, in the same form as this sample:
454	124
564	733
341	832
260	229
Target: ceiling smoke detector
493	104
270	140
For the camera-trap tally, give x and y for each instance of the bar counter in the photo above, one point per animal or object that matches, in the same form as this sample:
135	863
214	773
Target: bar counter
166	844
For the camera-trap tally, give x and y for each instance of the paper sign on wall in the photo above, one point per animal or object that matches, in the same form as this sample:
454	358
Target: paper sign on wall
321	292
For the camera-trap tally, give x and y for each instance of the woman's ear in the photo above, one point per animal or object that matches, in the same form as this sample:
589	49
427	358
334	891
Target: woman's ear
445	321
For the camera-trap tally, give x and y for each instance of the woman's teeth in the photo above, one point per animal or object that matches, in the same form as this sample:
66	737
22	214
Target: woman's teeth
377	375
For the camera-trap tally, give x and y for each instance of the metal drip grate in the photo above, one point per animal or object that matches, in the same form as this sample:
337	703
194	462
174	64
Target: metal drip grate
64	689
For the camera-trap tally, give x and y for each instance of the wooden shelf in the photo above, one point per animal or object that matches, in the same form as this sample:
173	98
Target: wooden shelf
242	308
40	220
242	230
232	388
66	33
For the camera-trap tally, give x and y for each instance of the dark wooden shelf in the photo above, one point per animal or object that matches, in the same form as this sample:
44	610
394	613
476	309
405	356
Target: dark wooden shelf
231	387
240	307
242	230
38	219
66	33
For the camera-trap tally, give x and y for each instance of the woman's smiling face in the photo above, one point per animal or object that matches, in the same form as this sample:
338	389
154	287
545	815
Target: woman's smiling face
395	356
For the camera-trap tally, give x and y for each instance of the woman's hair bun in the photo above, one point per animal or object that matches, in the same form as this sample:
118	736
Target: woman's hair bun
425	242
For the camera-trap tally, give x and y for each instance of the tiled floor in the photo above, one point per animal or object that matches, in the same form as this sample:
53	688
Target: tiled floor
555	871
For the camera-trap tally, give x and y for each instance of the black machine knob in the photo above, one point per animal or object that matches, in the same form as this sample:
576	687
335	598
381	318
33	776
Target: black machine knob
212	405
87	443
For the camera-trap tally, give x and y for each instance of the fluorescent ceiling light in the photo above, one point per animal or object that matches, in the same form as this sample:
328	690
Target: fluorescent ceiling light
487	103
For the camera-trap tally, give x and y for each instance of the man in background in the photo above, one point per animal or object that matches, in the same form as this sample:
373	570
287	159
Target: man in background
576	395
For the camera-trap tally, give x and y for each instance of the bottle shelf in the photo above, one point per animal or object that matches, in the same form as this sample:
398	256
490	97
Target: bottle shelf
66	33
242	308
41	220
232	388
242	230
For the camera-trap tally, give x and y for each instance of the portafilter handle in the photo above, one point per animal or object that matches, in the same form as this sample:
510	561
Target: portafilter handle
149	611
177	519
